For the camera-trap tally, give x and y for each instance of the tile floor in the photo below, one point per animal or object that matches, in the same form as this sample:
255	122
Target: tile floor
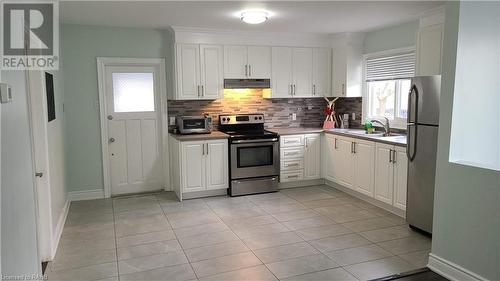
312	233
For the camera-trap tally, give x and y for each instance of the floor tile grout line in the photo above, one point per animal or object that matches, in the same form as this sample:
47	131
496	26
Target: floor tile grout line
184	252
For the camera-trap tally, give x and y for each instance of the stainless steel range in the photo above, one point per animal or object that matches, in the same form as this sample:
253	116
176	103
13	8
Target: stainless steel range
253	154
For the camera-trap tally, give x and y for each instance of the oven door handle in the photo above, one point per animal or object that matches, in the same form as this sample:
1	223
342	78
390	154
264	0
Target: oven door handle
256	141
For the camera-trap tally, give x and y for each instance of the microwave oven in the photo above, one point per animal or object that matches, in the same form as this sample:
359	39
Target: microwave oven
194	124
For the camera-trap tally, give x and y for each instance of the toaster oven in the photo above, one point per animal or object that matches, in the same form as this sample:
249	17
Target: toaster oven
194	124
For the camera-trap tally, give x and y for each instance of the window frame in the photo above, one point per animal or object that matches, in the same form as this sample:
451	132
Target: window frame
397	123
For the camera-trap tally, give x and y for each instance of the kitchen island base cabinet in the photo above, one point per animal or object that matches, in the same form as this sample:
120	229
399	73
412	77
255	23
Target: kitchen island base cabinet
198	166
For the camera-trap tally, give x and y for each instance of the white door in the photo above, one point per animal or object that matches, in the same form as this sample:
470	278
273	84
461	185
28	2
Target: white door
211	71
216	158
193	166
330	158
384	173
400	177
344	162
339	71
364	167
134	144
235	62
282	72
188	71
302	63
39	130
259	62
312	156
429	50
322	72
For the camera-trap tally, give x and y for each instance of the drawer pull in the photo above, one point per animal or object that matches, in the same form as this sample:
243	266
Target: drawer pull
294	176
290	165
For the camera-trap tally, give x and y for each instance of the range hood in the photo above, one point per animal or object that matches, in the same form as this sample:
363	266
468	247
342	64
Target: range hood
247	83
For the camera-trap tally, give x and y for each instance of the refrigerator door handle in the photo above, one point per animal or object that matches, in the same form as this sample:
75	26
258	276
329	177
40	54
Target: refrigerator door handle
413	107
412	139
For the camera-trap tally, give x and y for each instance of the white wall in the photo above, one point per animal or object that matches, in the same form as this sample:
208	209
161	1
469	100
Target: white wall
18	215
476	103
466	227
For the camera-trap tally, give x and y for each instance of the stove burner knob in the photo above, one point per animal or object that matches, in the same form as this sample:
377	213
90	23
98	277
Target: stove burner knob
256	118
260	117
228	119
223	119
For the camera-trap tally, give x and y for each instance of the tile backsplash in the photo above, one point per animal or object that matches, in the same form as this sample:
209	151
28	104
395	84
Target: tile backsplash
277	112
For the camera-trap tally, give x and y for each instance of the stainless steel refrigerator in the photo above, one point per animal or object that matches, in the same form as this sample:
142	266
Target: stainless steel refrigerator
422	134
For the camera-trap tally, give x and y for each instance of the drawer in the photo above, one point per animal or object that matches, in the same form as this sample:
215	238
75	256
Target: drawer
291	176
292	164
292	152
292	140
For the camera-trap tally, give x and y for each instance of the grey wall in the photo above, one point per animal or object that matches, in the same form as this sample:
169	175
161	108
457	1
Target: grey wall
81	45
393	37
18	215
466	227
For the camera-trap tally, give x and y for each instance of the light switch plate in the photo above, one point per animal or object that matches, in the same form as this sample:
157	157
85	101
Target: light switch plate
5	93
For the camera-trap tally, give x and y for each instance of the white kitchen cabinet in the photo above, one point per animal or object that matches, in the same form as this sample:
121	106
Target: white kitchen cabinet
384	176
216	163
340	168
193	160
391	175
364	166
247	62
300	157
198	165
198	72
312	156
281	80
347	65
400	162
429	49
322	72
302	70
329	153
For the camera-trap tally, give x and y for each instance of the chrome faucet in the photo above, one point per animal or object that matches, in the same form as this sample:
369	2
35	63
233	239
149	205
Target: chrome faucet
386	126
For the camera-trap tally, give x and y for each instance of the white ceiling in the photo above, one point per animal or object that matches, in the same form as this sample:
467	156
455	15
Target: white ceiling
298	16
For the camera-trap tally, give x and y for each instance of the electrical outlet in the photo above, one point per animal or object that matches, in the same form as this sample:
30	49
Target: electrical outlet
353	116
294	116
171	120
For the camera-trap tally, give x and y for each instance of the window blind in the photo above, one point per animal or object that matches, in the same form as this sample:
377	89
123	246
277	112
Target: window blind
400	66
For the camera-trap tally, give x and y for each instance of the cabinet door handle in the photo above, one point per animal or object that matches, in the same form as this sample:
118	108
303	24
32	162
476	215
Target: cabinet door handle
208	151
250	70
294	90
198	90
335	143
246	69
393	156
343	89
202	90
354	147
203	149
390	156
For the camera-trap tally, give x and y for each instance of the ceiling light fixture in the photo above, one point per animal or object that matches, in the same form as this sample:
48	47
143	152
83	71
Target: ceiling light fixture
254	16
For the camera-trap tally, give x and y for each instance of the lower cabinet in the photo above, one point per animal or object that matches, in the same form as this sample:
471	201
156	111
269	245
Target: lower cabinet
391	170
198	165
300	157
351	163
374	169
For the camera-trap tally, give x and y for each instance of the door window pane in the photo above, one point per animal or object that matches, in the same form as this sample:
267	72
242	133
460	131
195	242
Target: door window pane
255	156
133	92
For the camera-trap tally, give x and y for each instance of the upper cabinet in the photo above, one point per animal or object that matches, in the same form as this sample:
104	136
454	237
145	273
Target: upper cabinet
430	45
300	72
198	72
247	62
347	65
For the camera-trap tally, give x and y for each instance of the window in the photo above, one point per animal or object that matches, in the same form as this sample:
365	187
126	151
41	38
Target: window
133	92
388	83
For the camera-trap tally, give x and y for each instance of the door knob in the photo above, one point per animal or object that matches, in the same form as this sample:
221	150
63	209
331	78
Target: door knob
110	117
39	174
112	140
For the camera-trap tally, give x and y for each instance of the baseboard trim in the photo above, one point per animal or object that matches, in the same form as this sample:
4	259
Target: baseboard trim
204	193
86	195
59	228
368	199
452	270
302	183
